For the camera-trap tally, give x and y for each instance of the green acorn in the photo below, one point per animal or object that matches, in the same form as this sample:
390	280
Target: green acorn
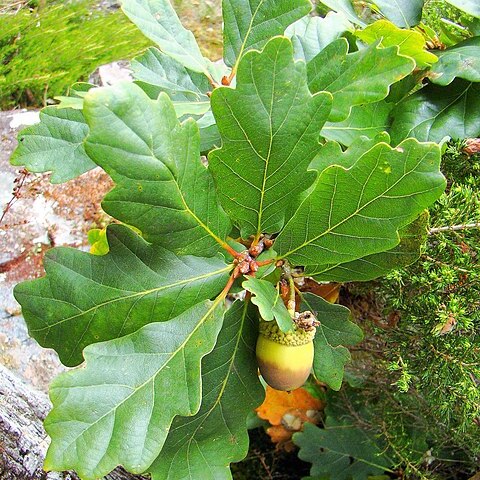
285	359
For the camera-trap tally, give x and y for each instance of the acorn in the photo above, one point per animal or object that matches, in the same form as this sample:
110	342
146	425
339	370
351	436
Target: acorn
285	359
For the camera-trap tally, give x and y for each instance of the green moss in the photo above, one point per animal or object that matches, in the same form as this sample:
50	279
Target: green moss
43	51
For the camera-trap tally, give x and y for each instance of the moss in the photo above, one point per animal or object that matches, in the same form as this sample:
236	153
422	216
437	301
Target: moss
45	50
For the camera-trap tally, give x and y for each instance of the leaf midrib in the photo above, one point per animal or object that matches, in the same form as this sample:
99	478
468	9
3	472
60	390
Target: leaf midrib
136	294
269	153
215	304
247	35
357	211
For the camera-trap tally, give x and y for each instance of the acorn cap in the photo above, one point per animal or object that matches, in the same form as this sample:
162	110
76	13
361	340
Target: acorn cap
294	337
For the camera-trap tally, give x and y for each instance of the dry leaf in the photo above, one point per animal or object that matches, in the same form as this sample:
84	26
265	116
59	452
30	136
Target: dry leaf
287	412
328	291
472	146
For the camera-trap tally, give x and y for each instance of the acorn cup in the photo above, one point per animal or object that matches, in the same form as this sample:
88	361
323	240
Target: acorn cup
285	359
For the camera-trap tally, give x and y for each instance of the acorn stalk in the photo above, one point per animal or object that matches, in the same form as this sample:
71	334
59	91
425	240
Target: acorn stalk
285	359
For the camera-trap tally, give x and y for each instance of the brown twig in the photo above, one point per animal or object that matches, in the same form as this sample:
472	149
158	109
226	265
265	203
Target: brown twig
18	184
454	228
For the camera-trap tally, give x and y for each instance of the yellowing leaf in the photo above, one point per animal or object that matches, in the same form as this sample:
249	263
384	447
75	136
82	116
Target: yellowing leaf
97	238
409	42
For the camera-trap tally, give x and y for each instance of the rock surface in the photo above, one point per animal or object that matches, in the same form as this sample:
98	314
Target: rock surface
39	217
42	216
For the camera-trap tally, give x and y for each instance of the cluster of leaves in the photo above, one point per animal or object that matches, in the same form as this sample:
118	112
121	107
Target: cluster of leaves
293	126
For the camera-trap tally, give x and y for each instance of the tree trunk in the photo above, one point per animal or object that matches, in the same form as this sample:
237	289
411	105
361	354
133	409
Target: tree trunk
23	441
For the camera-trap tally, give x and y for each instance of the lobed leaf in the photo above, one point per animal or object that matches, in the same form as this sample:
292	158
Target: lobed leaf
310	35
434	113
357	207
336	330
364	120
158	21
270	126
333	154
409	42
356	78
412	238
403	13
55	145
117	410
162	187
269	302
203	446
156	72
249	24
341	450
460	61
87	298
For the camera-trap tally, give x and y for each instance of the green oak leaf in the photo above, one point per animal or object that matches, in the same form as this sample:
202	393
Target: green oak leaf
410	42
80	89
158	21
156	72
356	210
87	298
249	24
460	61
332	153
435	112
310	35
269	302
270	126
117	409
356	78
209	134
345	7
364	120
334	332
183	109
69	102
203	446
76	94
472	7
55	145
162	187
341	450
403	13
412	238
